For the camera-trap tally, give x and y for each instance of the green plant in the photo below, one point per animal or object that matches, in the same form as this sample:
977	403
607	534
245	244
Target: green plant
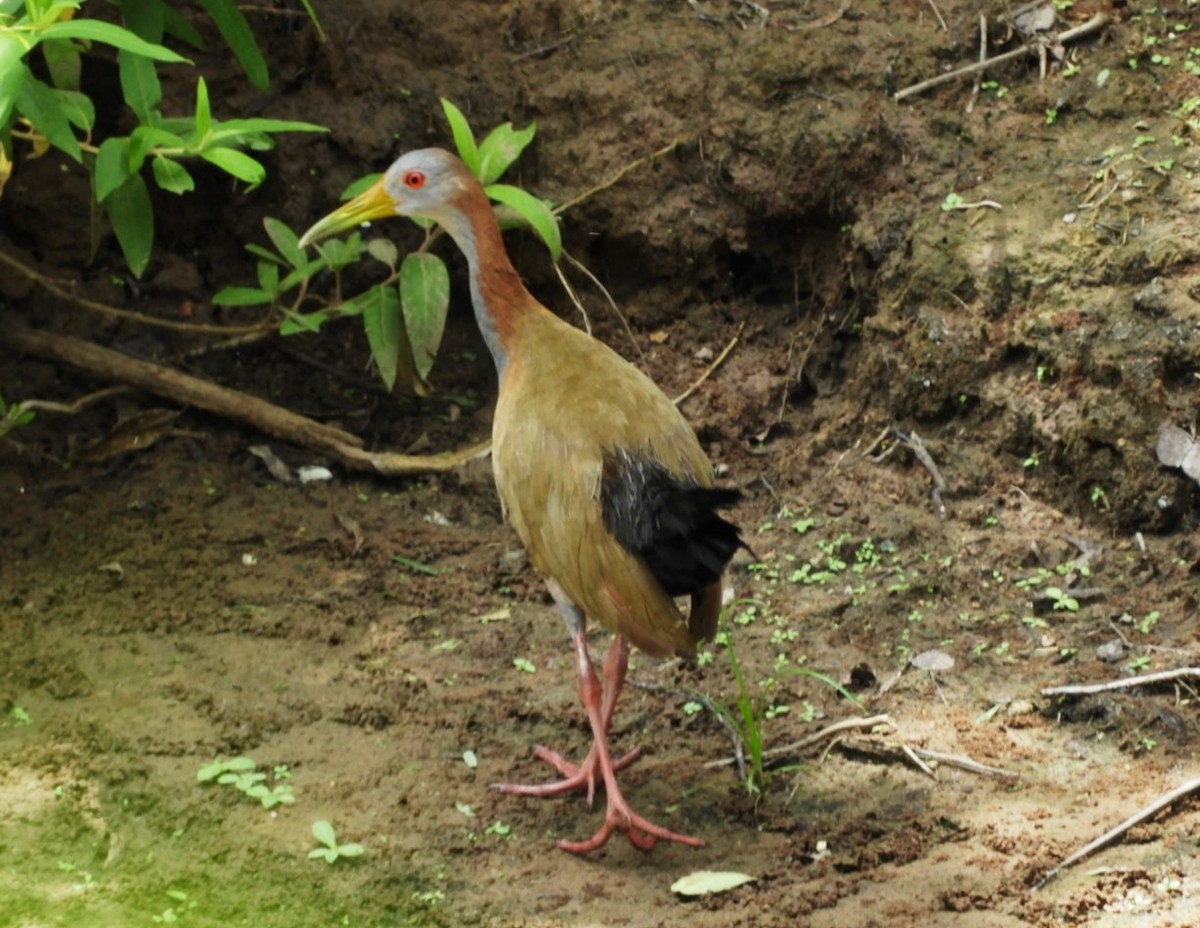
746	721
330	850
13	416
181	904
242	775
404	315
62	115
1061	599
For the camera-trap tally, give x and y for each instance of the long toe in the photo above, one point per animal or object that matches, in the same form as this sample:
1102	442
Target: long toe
581	777
642	834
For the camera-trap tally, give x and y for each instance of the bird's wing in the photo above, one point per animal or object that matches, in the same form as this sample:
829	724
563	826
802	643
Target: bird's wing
566	401
550	488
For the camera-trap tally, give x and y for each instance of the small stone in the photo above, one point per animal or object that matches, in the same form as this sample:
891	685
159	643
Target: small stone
513	561
1111	651
178	275
1152	298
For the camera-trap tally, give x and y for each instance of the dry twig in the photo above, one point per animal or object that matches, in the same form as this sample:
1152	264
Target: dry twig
1112	834
965	763
231	404
914	442
68	295
1097	22
1124	683
827	732
711	369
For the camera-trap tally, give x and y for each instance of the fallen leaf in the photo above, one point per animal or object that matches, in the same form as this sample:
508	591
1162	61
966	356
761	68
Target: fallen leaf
702	882
933	660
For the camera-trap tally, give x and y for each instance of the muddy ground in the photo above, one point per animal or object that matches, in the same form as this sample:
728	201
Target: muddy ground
360	639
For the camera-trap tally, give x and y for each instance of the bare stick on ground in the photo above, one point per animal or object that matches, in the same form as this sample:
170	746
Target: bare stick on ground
1112	834
827	732
913	441
1124	683
717	362
1097	22
231	404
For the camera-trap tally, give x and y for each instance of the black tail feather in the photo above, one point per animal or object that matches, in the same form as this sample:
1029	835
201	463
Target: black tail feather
670	523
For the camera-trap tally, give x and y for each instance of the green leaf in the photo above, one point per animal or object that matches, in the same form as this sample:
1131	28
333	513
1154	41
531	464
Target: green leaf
62	62
140	86
501	148
425	296
41	105
95	31
112	166
132	217
298	323
534	211
261	252
464	139
172	176
358	186
250	126
324	833
237	163
79	109
382	321
384	251
303	272
144	18
268	276
157	136
203	112
12	75
238	36
175	25
286	242
241	296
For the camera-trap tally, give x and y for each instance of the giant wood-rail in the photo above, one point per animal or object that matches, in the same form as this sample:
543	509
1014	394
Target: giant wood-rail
598	472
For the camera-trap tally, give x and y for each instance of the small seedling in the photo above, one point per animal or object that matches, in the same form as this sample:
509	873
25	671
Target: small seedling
224	771
18	718
1062	599
240	773
331	850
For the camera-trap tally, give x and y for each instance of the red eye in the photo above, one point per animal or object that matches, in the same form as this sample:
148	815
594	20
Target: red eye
414	180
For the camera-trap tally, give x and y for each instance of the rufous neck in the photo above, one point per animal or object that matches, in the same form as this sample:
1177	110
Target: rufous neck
497	293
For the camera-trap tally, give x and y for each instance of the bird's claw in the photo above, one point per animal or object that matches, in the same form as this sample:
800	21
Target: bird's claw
582	776
641	833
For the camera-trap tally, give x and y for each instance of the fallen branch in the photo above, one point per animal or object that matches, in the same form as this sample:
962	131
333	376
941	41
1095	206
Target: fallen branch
231	404
1113	833
114	312
914	442
965	763
1124	683
827	732
1097	22
717	362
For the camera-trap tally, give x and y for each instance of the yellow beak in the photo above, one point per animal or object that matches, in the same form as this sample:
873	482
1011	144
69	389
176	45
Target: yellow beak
372	203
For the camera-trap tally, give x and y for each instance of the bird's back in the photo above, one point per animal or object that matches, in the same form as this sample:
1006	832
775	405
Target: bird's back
607	486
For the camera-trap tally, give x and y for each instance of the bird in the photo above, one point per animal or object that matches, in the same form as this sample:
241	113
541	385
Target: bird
598	472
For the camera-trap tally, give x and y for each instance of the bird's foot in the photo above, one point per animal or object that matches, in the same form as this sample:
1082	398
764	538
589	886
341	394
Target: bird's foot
582	776
641	833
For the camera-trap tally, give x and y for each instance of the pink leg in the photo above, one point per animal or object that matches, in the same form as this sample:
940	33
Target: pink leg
583	776
600	702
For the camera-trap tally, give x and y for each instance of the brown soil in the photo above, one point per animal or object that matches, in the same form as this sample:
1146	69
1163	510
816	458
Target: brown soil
165	606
